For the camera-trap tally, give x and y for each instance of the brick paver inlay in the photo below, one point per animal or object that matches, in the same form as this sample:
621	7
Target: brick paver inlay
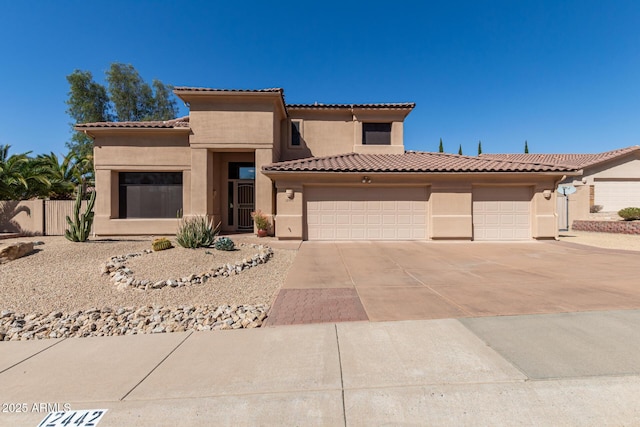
299	306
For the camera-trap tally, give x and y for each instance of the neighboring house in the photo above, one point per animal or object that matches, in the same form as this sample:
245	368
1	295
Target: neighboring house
319	171
606	182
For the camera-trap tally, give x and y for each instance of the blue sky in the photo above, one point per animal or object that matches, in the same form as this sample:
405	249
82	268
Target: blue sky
563	75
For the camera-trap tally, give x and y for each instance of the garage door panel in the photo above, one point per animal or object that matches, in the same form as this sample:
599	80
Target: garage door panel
617	194
357	219
406	206
502	213
357	206
342	220
403	219
371	214
327	219
388	219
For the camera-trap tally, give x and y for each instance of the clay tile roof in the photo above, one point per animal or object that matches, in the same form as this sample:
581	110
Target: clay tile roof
350	106
410	161
206	89
181	122
575	160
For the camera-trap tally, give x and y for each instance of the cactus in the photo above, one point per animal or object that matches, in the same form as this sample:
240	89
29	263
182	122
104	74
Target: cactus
224	244
80	227
161	244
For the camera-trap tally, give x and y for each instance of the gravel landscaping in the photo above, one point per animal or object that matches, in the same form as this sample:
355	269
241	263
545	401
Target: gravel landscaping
63	280
602	240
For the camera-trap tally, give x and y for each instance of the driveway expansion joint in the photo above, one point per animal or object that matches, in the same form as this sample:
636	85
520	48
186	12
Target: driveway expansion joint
157	366
33	355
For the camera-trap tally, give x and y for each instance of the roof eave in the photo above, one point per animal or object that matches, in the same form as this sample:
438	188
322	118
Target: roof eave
93	131
275	173
188	95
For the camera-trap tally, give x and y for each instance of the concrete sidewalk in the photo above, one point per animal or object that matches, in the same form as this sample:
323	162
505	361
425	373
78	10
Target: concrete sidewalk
552	369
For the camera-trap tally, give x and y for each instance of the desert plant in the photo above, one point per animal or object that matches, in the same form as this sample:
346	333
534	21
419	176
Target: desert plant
196	232
595	208
629	214
80	227
160	244
224	244
260	219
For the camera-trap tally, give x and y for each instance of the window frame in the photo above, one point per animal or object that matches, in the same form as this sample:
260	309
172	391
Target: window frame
122	191
300	133
378	124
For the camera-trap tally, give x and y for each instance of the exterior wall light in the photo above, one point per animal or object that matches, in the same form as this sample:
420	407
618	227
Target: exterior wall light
366	180
546	194
289	193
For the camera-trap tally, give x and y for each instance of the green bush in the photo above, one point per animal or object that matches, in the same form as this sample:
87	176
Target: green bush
196	232
224	244
630	214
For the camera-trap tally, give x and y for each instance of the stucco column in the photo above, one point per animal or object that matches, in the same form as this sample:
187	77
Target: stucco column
201	181
451	211
545	219
290	220
264	186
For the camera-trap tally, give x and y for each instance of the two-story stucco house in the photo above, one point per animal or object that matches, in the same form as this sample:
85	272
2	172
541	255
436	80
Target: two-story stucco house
319	171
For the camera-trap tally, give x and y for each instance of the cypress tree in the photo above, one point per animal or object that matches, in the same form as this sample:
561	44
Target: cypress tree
441	148
479	147
460	150
526	147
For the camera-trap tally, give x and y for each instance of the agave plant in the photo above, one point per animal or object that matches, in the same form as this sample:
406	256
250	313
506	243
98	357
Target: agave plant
224	244
196	232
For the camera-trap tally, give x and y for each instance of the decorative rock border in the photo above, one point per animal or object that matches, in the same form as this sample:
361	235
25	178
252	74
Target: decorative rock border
621	227
124	278
129	321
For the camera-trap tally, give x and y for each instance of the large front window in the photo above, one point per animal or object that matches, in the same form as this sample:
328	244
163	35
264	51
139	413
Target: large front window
150	194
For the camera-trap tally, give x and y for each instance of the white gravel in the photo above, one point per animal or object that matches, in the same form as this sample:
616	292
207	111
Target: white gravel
628	242
65	276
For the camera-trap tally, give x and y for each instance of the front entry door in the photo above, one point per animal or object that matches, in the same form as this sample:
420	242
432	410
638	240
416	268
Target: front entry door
241	204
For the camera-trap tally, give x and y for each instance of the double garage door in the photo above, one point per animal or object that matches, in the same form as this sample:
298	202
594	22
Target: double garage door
355	213
614	194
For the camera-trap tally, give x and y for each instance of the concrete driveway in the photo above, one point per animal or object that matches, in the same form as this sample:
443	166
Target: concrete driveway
382	281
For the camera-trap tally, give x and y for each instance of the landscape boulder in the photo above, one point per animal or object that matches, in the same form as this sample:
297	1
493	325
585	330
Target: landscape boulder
15	251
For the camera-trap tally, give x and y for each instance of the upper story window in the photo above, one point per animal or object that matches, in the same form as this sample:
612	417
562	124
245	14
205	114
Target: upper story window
296	126
376	134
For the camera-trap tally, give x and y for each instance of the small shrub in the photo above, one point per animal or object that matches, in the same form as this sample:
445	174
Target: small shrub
224	244
161	244
595	208
260	219
196	232
629	214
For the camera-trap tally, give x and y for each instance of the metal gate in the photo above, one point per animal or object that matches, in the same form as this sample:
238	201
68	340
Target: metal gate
245	205
562	209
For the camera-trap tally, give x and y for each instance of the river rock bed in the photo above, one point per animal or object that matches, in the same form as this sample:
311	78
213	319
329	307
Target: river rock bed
124	277
108	321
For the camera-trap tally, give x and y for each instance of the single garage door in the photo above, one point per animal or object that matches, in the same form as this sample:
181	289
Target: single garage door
501	213
355	213
614	195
